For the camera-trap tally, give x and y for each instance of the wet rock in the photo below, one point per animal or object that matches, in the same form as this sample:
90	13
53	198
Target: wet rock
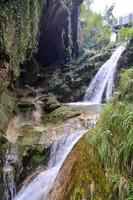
69	83
81	176
25	106
60	114
2	154
51	103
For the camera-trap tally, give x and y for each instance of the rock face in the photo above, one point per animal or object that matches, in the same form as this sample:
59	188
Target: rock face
68	83
59	31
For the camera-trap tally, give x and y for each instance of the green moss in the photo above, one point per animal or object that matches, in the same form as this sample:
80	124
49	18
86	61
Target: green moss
113	140
126	85
7	107
19	26
35	157
87	179
29	139
59	115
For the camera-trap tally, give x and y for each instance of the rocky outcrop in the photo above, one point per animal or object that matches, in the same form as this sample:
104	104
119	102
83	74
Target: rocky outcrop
68	83
19	27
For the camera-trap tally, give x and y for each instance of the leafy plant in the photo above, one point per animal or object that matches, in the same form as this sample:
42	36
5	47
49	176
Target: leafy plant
96	32
113	139
19	29
126	34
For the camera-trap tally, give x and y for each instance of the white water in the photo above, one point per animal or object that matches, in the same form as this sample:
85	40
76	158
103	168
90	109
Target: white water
104	79
40	187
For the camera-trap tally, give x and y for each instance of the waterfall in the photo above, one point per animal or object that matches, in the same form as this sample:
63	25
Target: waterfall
40	187
103	82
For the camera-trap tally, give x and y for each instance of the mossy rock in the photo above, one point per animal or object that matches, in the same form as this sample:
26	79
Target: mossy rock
87	178
3	117
60	115
81	176
7	108
29	138
32	153
52	103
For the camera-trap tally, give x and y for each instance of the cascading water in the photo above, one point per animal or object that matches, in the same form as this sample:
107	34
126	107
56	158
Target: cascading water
104	79
42	184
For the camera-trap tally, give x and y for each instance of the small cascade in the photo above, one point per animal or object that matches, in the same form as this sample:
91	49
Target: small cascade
42	184
40	187
103	82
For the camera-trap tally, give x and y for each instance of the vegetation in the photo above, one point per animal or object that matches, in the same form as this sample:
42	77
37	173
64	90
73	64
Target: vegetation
87	178
126	34
96	29
19	25
113	139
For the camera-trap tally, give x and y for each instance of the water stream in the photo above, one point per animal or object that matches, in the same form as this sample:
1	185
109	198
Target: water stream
42	184
103	82
40	187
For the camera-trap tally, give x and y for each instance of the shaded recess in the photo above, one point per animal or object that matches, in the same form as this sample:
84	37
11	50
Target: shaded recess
58	32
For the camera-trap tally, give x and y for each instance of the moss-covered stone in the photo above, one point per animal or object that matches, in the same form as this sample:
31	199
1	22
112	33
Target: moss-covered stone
51	103
60	115
7	108
81	176
29	138
32	153
87	178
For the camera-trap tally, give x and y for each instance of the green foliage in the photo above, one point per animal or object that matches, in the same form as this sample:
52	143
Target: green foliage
126	85
96	32
108	15
113	139
126	34
35	157
19	25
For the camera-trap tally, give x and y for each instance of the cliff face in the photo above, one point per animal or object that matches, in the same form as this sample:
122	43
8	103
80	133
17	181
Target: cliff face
19	28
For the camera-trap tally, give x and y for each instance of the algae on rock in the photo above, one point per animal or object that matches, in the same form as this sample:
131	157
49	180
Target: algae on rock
59	115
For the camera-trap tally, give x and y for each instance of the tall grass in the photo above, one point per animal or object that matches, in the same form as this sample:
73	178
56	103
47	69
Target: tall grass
113	139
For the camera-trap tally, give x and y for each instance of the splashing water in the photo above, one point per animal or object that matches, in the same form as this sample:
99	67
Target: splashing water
42	184
40	187
104	79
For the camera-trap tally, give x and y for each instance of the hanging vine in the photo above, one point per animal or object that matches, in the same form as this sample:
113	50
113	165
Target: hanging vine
19	29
